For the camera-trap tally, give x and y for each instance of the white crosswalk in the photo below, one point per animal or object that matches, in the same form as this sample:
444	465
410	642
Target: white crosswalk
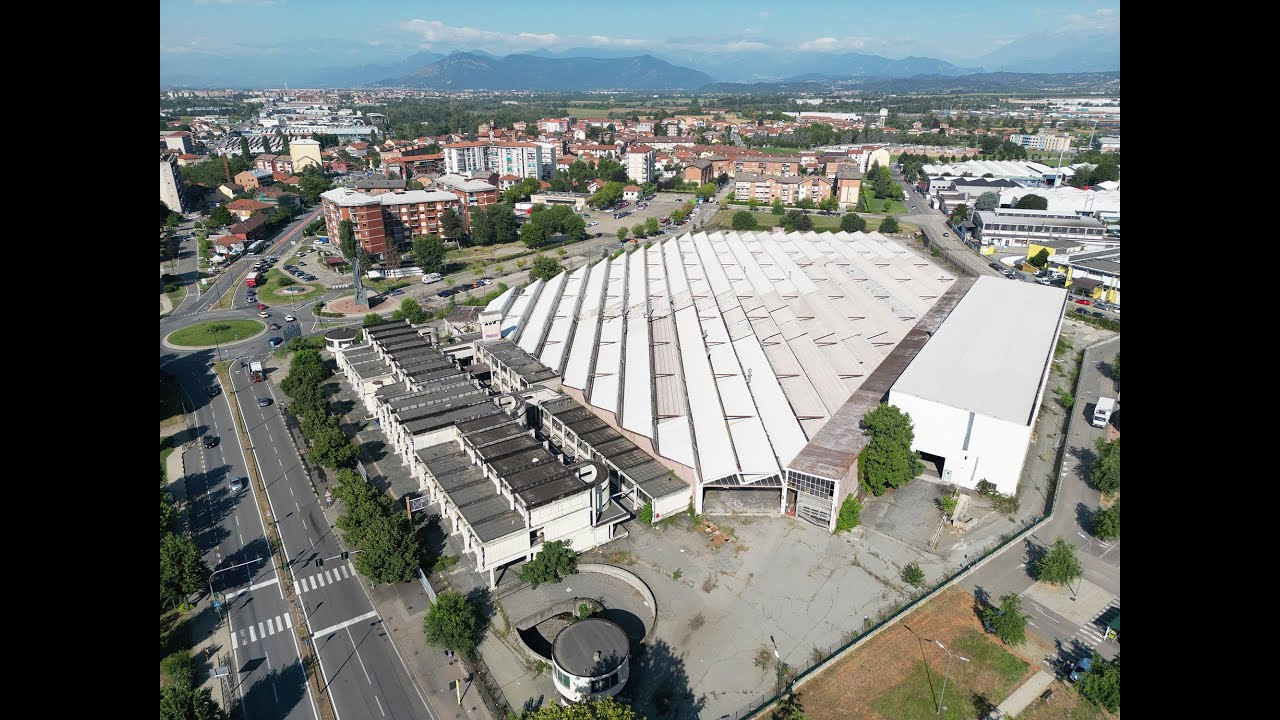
252	632
328	577
1090	634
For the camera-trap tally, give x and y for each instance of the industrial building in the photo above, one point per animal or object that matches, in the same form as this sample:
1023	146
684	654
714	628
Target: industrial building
974	390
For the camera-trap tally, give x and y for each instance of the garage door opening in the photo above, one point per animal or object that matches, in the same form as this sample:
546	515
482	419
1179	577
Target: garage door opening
742	500
933	465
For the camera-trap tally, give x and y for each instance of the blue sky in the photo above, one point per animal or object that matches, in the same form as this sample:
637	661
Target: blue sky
333	33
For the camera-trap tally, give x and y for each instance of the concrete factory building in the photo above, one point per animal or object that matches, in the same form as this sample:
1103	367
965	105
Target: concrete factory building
974	390
741	362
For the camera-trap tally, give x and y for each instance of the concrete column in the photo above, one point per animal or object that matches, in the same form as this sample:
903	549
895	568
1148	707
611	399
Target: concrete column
493	583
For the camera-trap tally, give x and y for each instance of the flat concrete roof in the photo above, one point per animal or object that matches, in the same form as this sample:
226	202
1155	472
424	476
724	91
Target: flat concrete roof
991	352
575	647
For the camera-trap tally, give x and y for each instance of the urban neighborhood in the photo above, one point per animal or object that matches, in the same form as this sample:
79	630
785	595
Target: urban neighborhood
577	370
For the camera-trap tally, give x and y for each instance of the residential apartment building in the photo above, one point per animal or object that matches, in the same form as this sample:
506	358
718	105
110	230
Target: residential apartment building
179	142
789	189
554	125
640	163
1010	227
505	158
1108	143
391	217
698	171
848	181
254	179
171	182
304	153
473	193
1052	143
274	163
244	208
783	165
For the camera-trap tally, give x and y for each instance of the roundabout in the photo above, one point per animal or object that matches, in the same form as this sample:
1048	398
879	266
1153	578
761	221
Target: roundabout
215	333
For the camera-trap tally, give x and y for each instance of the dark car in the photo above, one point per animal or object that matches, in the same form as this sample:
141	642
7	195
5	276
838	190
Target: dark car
995	266
1082	311
213	390
275	341
210	441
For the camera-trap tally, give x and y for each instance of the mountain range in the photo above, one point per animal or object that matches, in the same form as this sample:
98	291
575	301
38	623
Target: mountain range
469	70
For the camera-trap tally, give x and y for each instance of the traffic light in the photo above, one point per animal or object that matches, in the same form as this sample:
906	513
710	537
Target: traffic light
319	562
345	554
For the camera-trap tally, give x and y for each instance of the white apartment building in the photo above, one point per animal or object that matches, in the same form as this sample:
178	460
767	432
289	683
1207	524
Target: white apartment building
640	163
170	182
1051	143
521	159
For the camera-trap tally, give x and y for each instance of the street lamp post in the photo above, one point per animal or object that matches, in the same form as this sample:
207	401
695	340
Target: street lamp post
948	673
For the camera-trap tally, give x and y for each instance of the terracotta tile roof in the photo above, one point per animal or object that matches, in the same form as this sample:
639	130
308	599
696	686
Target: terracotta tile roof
248	205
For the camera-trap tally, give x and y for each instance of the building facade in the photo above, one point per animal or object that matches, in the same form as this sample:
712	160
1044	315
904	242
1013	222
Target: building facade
392	217
522	159
640	164
1010	227
783	165
305	153
1053	143
789	189
171	183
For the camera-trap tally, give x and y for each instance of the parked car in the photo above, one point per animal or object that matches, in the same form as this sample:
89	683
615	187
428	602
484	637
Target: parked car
393	293
1082	311
1097	314
302	263
593	223
263	402
210	440
264	314
1082	301
946	234
290	318
213	390
1085	665
1044	281
995	266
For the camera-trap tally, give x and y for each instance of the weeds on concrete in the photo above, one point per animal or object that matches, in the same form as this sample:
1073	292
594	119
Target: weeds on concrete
696	622
816	655
677	574
620	557
709	584
763	657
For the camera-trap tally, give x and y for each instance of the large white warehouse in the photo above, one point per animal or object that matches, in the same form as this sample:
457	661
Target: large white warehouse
973	390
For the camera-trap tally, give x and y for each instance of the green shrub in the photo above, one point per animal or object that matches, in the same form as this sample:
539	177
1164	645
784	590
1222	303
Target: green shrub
646	514
170	288
850	514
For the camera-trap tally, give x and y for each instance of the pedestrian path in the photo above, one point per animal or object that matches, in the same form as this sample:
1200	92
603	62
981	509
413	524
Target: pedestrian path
328	576
252	633
1090	635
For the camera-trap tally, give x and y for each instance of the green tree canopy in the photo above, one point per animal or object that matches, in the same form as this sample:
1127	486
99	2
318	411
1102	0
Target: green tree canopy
544	268
796	220
889	225
1040	259
850	514
651	226
1101	685
1007	622
744	220
182	571
372	319
390	551
852	222
830	203
776	206
493	224
1104	475
1106	523
622	234
347	240
428	253
533	234
1032	202
987	201
410	310
888	460
311	186
554	562
960	214
451	225
454	623
598	708
706	191
220	215
1059	566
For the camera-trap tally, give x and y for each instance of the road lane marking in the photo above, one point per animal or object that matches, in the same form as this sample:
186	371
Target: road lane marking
271	628
318	579
288	621
375	699
328	577
334	628
264	583
279	624
343	568
234	643
261	633
356	647
252	636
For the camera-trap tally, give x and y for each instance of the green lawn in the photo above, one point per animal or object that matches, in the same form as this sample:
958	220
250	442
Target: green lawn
177	296
983	650
172	399
267	293
916	698
889	207
213	333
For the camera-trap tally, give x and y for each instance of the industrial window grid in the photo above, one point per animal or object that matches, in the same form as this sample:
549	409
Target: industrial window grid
810	484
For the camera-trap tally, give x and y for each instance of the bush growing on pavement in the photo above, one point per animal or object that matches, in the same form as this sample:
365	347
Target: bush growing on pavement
913	575
850	514
888	460
453	623
555	562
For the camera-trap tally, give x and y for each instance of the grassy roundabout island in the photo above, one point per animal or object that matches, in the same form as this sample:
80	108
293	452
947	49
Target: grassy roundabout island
277	282
218	332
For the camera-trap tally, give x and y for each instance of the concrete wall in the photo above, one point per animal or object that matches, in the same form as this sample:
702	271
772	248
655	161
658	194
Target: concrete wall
554	514
996	447
671	504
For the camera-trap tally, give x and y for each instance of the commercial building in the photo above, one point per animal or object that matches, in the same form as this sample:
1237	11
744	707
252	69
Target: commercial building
395	216
974	390
171	182
521	159
179	142
721	358
1053	143
589	659
548	197
789	189
1011	227
639	162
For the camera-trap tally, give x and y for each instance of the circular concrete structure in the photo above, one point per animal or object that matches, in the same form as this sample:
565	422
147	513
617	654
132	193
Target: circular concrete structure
347	305
295	290
590	658
339	338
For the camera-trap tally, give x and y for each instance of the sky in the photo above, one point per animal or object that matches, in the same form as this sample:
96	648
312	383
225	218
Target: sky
339	33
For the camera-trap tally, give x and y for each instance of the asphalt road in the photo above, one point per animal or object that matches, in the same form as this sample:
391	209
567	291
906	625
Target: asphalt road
361	668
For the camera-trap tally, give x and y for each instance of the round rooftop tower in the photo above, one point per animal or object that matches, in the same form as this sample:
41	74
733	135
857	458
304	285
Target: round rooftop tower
590	659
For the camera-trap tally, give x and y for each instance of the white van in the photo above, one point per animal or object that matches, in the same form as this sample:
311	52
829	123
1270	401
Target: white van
431	277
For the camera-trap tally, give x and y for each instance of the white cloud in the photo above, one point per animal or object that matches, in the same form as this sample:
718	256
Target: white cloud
744	46
1102	19
434	32
830	44
200	46
605	41
375	43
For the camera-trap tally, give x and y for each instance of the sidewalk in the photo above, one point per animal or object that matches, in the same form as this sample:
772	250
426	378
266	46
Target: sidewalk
1025	694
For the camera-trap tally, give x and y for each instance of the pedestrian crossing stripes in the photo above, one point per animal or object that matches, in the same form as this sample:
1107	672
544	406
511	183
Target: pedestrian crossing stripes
327	577
253	632
1092	633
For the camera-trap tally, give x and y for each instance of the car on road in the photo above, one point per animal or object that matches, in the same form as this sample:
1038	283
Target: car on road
237	484
210	441
264	314
946	234
260	306
586	215
275	326
213	390
290	318
309	278
1044	281
263	402
302	263
593	223
1082	301
995	266
1082	311
1097	314
395	292
290	267
275	341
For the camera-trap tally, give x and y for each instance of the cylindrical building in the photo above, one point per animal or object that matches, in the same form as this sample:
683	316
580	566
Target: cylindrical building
590	659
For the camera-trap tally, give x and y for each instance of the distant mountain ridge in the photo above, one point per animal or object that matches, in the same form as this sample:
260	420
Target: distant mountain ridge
1091	83
464	70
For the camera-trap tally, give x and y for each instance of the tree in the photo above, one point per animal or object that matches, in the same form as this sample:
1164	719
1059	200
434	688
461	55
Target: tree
391	256
889	225
390	551
829	203
796	220
1040	259
347	240
428	252
1007	622
679	215
451	226
372	319
913	575
776	206
533	234
311	186
1115	368
1107	170
744	220
410	310
706	191
331	448
182	571
1060	565
1104	475
1032	202
722	178
888	460
638	230
959	214
553	563
189	703
850	514
598	708
220	215
244	148
453	623
493	224
1101	685
1106	523
651	226
545	268
987	201
853	223
622	234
